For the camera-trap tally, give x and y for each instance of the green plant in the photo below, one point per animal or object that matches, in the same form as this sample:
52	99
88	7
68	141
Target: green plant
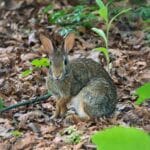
36	63
142	12
26	73
47	9
42	62
104	14
1	103
121	138
143	93
71	18
72	135
16	133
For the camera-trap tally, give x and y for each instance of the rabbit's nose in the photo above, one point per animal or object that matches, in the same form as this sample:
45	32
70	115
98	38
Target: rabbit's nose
58	77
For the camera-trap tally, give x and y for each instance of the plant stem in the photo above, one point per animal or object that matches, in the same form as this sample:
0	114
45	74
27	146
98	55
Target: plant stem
107	37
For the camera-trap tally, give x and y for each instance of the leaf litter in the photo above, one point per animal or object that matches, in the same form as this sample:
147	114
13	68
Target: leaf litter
19	44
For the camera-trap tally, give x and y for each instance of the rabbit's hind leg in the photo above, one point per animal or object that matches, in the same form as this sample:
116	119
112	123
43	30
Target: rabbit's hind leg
98	97
79	105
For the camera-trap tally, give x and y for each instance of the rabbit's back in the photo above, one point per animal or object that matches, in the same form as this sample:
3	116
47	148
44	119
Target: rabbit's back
84	70
94	87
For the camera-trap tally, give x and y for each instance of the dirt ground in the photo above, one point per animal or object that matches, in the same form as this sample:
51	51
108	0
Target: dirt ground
19	44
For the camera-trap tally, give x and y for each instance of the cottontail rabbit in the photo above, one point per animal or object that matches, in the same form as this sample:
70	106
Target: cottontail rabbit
83	82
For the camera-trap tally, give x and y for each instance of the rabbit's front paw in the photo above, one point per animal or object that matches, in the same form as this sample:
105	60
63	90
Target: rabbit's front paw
55	115
61	108
72	119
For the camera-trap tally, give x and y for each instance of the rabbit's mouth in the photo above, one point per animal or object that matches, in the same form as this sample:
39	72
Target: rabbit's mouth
58	77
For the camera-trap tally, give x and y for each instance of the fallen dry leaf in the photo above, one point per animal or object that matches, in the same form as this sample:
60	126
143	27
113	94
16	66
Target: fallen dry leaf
26	142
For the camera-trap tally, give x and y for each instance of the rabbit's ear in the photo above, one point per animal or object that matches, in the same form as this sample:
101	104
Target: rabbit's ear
69	42
47	44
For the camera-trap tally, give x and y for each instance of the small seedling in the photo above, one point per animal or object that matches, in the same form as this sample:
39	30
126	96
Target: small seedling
16	133
26	73
103	12
36	63
72	136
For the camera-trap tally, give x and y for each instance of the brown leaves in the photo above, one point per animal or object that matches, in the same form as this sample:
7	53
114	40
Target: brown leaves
29	56
19	44
5	127
34	115
13	4
27	141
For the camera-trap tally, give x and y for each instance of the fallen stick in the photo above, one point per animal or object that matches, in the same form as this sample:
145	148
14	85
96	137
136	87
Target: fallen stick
29	102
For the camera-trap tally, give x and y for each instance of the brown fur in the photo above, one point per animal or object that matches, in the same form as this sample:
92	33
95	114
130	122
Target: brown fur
83	82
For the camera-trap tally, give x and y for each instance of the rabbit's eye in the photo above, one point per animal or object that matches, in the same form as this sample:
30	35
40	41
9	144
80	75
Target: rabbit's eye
65	61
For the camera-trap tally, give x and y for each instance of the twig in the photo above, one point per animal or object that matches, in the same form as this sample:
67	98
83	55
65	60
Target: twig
90	146
34	100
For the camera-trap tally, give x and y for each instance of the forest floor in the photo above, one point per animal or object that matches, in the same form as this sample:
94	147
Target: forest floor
32	126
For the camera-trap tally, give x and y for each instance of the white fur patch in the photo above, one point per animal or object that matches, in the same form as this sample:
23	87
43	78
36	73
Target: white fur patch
77	105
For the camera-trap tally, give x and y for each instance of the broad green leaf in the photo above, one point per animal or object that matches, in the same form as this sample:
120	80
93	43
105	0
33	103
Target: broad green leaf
147	21
104	51
121	138
36	63
102	34
143	93
16	133
43	62
104	13
55	17
100	3
1	103
26	73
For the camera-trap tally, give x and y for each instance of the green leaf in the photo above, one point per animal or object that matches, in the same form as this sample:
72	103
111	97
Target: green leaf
70	130
16	133
43	62
104	13
102	34
123	11
73	138
113	18
72	135
121	138
65	31
56	16
104	51
1	103
36	63
26	73
100	3
143	92
47	9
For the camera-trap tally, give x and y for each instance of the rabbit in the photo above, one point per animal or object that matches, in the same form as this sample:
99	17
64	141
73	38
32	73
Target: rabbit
82	82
